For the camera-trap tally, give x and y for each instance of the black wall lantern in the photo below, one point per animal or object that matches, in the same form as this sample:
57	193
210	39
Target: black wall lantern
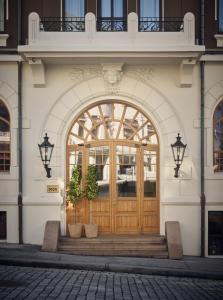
46	150
178	149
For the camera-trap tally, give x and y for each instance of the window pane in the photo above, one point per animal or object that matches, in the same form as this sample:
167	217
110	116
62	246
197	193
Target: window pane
220	15
74	8
2	17
105	8
118	8
126	171
215	232
149	8
150	173
75	159
3	225
99	156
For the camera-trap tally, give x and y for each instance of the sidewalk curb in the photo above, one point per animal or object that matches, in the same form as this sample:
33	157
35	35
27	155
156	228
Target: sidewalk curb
111	268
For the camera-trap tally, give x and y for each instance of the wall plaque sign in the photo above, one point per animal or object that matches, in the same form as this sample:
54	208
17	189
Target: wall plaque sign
52	188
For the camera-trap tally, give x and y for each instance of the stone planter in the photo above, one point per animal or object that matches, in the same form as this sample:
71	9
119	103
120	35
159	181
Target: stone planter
75	230
91	230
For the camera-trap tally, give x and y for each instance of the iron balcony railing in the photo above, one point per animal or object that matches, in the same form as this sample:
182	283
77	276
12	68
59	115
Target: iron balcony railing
65	24
161	24
77	24
111	24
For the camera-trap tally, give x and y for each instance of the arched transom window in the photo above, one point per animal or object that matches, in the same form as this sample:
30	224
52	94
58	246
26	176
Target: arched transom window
113	120
218	138
4	138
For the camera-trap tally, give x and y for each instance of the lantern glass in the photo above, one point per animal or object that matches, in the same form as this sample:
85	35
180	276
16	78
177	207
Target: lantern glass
46	150
178	149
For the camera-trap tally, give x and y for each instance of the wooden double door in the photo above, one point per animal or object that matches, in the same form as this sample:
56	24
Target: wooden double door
128	179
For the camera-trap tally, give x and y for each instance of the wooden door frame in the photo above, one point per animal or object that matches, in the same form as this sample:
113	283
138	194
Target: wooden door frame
112	143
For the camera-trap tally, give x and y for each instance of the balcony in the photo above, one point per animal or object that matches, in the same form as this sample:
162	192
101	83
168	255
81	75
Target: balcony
125	40
75	24
106	34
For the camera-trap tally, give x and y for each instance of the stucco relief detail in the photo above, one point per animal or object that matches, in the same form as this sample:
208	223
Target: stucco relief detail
82	73
145	74
112	75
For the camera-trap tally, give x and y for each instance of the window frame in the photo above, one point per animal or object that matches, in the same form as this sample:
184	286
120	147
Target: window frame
4	18
63	8
139	4
10	148
112	9
215	238
218	16
216	171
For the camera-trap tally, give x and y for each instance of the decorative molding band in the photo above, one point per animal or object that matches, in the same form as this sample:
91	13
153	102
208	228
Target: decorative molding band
42	204
31	204
186	72
191	203
38	72
8	203
219	38
3	40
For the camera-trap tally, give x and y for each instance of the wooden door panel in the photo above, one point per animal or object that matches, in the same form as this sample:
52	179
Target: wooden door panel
126	206
126	223
104	222
150	223
100	214
150	206
121	214
76	215
100	206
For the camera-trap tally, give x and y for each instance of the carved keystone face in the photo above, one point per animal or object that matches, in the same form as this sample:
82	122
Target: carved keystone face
112	76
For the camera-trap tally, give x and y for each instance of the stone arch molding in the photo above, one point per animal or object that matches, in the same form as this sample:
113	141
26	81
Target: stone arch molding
9	96
212	97
79	96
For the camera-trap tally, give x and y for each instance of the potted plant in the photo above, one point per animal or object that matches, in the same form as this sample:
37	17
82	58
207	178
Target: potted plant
74	195
91	193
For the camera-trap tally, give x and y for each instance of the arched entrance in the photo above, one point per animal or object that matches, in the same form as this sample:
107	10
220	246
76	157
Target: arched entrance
122	143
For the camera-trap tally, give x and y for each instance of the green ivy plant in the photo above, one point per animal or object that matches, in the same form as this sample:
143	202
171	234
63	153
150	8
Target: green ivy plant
74	194
91	188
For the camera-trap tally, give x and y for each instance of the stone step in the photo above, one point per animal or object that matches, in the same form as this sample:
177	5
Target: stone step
136	253
139	245
116	248
115	240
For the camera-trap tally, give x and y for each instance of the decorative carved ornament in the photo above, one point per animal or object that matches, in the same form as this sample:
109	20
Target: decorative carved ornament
112	74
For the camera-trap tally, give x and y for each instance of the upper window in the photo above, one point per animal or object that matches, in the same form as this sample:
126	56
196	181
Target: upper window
218	138
75	8
112	15
4	138
220	15
2	15
149	8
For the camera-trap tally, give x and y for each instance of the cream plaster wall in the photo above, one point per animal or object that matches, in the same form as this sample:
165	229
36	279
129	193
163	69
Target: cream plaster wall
9	180
213	181
70	88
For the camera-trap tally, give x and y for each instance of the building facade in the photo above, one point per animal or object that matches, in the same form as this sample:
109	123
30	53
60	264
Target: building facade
112	83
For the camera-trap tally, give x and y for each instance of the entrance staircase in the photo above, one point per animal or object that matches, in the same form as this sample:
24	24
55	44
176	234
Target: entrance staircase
116	245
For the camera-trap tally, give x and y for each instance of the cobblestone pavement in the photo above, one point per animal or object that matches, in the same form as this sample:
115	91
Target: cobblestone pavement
38	283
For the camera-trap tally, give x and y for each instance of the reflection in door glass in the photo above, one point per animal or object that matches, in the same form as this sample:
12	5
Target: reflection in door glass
149	173
126	171
75	159
99	156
